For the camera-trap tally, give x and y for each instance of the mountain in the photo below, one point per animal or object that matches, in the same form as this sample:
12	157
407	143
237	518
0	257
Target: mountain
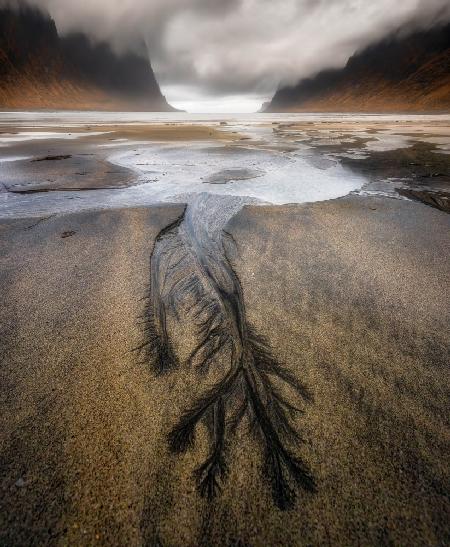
399	73
41	70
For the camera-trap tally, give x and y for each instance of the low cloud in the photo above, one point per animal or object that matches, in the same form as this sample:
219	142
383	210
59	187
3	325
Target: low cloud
232	47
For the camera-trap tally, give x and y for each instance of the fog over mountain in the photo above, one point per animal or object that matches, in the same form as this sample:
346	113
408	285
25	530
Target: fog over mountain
39	69
205	49
398	74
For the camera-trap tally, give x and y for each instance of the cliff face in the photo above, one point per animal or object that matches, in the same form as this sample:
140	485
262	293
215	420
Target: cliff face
40	69
398	74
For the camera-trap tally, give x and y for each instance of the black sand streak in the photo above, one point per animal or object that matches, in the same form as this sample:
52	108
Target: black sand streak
53	158
43	219
189	266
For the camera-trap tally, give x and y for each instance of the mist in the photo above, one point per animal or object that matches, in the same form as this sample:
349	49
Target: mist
240	50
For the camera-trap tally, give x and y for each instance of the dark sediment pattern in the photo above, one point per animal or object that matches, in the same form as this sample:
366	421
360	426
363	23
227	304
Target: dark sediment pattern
420	172
193	283
349	295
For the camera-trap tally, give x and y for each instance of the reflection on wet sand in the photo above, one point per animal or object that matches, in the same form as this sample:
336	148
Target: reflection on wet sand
409	158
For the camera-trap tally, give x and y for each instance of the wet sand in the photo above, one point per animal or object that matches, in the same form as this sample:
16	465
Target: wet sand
81	418
326	350
361	317
410	158
81	163
349	293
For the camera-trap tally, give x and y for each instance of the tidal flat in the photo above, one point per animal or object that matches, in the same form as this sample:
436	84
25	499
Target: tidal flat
224	330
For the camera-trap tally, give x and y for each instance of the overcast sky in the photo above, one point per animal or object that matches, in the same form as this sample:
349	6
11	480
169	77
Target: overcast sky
230	55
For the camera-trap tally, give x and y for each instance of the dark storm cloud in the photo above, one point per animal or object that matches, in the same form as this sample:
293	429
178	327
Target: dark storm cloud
242	46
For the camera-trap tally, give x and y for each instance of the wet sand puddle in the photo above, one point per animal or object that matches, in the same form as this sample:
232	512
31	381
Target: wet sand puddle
277	159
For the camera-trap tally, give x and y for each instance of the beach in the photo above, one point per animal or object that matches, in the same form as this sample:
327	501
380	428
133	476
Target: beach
295	291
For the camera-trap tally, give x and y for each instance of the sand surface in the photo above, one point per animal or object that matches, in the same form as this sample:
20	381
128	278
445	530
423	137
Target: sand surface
123	242
351	296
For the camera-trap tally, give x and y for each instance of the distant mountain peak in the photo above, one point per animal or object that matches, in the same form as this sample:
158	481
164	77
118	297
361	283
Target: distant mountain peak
40	69
399	73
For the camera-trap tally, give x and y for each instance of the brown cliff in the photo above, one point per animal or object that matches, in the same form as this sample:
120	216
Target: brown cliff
409	73
41	70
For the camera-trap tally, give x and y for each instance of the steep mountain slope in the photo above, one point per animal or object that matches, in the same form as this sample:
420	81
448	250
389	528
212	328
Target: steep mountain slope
409	73
40	69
